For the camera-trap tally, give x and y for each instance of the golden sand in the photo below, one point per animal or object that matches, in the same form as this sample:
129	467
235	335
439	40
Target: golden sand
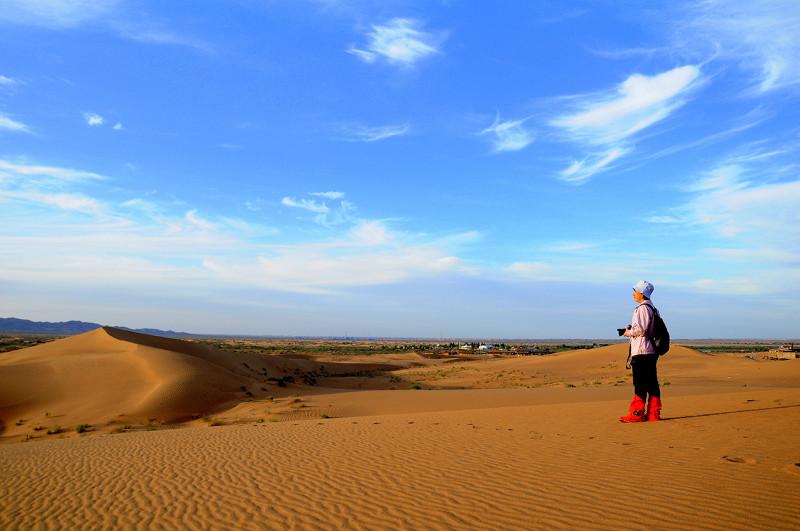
541	454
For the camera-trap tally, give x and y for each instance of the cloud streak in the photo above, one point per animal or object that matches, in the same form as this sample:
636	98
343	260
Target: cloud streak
604	122
119	16
365	133
370	254
150	244
329	195
637	103
761	37
9	124
400	41
324	214
510	135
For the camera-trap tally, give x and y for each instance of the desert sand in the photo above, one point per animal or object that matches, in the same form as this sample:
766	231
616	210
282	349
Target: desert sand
180	435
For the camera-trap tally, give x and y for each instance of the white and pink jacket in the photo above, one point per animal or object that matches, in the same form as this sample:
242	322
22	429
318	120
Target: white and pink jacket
642	329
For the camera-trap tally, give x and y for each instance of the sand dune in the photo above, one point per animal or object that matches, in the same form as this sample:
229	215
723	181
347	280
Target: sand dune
530	442
110	375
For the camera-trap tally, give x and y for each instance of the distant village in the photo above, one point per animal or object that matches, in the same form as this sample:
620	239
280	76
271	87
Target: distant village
495	349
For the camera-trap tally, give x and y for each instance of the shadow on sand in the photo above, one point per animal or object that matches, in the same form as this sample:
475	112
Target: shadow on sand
728	412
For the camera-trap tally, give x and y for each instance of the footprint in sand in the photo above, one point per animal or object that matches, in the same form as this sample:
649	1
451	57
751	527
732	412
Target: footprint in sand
734	459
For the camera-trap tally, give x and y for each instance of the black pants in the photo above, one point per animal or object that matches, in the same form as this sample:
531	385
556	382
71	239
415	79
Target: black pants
645	375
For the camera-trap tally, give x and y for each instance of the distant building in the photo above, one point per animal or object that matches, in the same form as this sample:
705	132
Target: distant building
486	347
785	352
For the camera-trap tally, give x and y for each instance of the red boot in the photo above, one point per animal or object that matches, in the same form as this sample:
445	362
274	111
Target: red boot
654	409
635	411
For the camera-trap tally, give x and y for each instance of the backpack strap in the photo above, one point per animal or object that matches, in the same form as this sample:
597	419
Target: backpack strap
653	313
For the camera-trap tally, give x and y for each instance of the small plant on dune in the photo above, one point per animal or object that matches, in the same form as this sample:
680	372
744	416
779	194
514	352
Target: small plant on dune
415	386
666	382
83	428
38	427
20	422
54	430
324	416
570	385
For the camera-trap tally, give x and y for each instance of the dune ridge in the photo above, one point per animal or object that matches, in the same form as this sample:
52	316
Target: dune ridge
110	374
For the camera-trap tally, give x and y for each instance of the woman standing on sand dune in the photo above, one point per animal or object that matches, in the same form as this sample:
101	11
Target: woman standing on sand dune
643	358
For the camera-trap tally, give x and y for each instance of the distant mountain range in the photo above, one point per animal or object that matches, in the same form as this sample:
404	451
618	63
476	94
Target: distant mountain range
24	326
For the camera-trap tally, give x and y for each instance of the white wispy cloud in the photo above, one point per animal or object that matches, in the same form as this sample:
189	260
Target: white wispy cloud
761	37
765	211
750	206
369	254
570	246
325	215
627	53
56	13
7	81
48	186
604	122
664	219
561	269
64	201
13	125
638	102
329	195
121	17
144	205
65	174
306	204
163	245
510	135
149	32
366	133
371	233
580	171
92	119
199	222
399	41
118	127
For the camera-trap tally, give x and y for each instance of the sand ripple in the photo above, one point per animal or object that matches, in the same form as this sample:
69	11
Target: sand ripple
515	467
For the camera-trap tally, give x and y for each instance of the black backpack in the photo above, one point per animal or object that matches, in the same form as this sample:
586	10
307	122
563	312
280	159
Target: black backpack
660	334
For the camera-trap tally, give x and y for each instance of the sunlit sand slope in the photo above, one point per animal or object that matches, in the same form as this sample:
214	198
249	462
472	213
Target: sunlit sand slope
110	374
727	461
600	366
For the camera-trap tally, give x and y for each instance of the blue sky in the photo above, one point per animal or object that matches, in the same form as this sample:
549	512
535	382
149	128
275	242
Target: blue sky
401	168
